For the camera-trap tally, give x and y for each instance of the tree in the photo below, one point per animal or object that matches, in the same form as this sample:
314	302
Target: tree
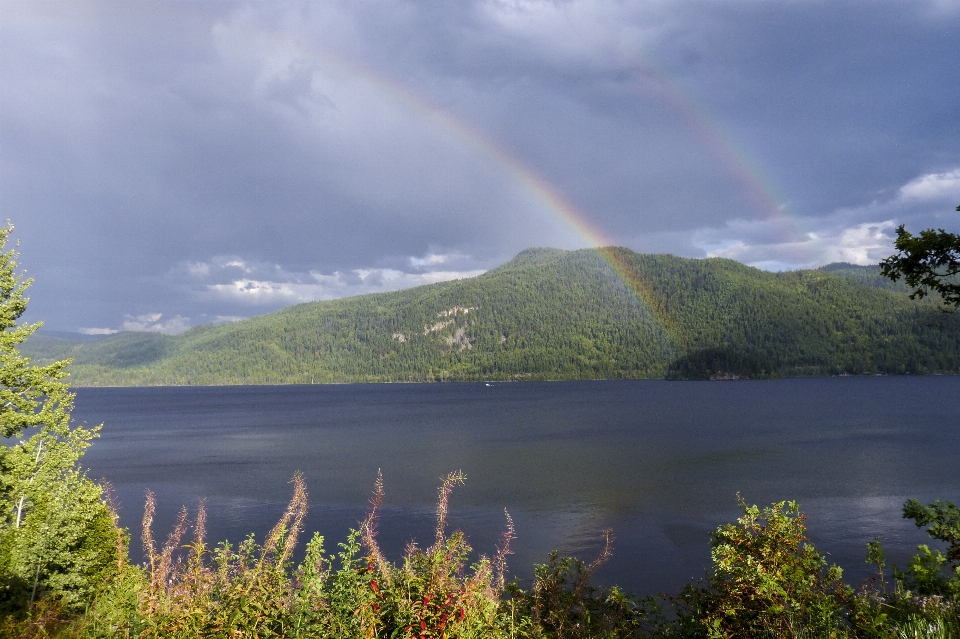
58	537
928	262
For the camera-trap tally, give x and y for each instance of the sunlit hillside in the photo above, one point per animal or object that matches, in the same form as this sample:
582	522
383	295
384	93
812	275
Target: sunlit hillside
548	315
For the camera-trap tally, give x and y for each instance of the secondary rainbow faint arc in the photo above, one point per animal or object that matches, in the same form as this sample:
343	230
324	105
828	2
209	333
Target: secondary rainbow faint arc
722	144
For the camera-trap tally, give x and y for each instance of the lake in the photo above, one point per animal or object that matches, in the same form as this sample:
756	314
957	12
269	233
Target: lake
659	462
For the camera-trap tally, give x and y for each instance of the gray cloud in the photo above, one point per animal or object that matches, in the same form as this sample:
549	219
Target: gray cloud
334	147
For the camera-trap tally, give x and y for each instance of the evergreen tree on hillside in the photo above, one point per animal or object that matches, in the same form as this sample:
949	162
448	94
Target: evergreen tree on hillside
57	536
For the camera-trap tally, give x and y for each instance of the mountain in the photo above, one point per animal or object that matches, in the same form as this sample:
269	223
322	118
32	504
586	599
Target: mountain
552	314
866	275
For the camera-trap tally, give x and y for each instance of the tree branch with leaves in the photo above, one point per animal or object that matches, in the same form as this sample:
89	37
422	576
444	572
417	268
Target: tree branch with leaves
928	262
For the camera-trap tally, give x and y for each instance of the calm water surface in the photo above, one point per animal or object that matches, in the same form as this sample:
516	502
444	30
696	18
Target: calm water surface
658	462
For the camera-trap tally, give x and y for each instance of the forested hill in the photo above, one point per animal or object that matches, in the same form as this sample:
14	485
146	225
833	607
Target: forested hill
552	314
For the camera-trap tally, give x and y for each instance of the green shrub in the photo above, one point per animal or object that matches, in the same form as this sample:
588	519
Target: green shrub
562	604
433	593
766	581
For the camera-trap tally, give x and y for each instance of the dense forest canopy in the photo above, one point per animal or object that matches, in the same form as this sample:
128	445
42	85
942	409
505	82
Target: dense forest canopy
550	314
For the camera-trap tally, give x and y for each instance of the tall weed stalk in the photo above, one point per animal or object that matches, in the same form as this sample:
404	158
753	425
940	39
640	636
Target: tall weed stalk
186	589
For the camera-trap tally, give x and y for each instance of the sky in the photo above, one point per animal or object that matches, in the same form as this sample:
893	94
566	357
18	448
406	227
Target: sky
167	164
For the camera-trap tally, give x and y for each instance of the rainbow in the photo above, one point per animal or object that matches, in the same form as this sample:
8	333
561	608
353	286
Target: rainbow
768	202
615	257
720	142
697	118
709	130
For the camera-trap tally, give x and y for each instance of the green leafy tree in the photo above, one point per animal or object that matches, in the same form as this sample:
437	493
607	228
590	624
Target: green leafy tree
928	262
57	535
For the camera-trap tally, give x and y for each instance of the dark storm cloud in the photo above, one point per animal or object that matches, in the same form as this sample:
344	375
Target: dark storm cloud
836	103
187	162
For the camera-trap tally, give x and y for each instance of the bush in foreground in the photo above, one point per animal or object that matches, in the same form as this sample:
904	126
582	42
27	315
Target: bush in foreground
767	581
